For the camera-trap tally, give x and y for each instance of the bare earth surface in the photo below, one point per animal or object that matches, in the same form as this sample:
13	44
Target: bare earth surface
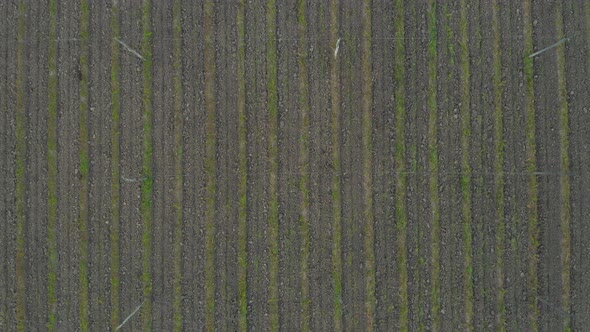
294	165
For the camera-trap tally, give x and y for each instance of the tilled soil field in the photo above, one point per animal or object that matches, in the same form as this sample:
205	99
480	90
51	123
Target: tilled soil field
295	165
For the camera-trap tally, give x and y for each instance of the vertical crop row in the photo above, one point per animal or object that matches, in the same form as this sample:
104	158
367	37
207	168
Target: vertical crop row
178	176
419	279
336	165
400	156
498	167
367	146
531	165
465	165
84	164
21	150
210	162
52	169
273	119
115	166
304	163
147	167
433	165
565	210
243	173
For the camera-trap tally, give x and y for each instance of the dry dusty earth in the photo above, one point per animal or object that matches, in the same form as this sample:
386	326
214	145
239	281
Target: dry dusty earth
295	165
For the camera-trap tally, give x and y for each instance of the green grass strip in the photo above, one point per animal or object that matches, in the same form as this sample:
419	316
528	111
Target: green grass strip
52	261
465	165
273	213
531	165
400	155
498	168
21	154
178	178
304	164
84	164
588	27
433	165
448	40
243	173
479	187
210	165
115	167
352	314
147	183
336	198
565	210
367	145
412	152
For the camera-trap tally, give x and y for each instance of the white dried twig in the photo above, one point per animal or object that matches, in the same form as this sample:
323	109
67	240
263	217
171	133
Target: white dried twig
337	47
126	179
131	315
134	52
558	310
563	40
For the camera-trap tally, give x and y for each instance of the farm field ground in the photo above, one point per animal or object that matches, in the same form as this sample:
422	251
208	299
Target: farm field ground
386	165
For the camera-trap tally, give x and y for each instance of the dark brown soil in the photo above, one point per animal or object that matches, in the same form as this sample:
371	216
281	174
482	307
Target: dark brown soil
512	267
68	181
193	244
193	248
36	165
513	100
577	53
387	281
289	202
7	167
258	168
353	253
320	263
419	218
99	132
130	160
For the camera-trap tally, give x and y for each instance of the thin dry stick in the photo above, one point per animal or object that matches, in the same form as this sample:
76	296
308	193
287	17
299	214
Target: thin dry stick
337	48
134	52
557	310
561	41
132	179
131	315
